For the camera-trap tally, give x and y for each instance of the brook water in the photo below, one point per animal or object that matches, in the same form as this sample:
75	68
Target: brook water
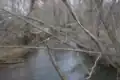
39	67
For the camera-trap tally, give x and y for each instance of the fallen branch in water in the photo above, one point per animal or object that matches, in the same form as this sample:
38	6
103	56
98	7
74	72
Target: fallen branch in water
55	64
93	68
34	47
66	49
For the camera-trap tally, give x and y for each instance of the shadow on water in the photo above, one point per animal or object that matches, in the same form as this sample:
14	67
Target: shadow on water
39	67
105	73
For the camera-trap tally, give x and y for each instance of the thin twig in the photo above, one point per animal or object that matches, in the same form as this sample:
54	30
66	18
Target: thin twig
72	23
93	68
45	40
55	64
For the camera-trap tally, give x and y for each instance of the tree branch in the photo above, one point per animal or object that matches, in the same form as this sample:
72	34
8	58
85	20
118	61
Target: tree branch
88	33
55	64
93	68
53	27
106	25
81	26
66	49
111	33
35	26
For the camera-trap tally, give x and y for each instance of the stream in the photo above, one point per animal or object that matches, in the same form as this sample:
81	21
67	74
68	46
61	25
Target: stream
39	67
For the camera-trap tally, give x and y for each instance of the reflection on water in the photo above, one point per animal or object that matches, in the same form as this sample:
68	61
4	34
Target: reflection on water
71	64
39	67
